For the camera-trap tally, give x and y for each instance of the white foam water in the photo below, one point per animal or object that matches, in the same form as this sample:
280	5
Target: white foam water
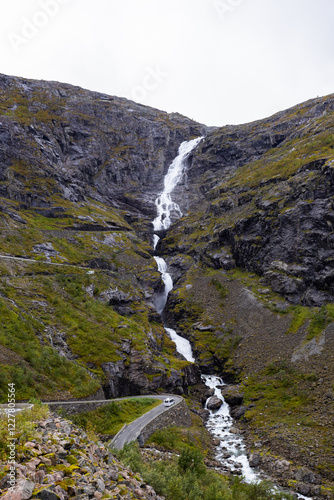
231	451
167	209
183	345
161	298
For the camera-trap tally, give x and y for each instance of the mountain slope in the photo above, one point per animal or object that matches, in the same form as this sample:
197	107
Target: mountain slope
251	259
79	173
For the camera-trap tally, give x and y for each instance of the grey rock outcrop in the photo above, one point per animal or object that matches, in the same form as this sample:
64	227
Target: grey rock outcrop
130	380
86	144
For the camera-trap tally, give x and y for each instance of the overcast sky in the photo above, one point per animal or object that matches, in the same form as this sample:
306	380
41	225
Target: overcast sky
216	61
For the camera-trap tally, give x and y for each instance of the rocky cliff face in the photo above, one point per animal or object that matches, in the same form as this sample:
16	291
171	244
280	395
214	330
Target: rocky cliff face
266	191
84	145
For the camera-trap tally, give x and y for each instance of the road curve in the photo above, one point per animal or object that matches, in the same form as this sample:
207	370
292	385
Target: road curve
130	432
14	408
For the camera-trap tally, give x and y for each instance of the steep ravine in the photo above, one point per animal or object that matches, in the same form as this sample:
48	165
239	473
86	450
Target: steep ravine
231	450
251	261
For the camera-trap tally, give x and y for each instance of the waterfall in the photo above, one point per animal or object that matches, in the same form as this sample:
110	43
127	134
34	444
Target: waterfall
167	210
161	298
166	207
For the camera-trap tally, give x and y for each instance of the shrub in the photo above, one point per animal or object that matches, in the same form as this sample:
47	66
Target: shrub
191	459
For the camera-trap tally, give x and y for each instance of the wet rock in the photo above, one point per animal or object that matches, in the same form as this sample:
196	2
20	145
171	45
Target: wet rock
206	395
214	403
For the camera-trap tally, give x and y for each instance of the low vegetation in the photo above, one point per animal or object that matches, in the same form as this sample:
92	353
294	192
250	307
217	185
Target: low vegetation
185	477
284	403
109	418
24	428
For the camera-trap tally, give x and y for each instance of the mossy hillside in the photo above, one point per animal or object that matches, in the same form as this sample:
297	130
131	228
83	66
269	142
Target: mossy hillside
286	410
285	161
211	297
72	245
44	300
297	135
41	107
243	205
197	301
63	292
312	320
37	309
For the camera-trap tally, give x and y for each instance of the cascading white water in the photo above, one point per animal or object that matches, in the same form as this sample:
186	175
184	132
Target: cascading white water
166	207
167	210
161	298
183	345
231	450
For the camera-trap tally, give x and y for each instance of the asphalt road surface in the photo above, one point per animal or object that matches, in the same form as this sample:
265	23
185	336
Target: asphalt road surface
133	430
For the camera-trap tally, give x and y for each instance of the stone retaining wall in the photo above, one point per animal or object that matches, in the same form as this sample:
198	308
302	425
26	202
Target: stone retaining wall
73	407
178	415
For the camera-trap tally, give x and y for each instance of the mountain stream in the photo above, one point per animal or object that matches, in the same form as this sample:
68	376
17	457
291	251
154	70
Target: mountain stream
231	452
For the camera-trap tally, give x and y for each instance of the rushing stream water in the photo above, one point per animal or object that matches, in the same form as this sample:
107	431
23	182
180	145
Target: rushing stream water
231	451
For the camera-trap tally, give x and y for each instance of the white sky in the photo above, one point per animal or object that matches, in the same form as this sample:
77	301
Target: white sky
216	61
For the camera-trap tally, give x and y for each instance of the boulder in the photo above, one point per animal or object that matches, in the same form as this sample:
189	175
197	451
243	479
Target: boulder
238	412
214	403
303	489
305	475
254	460
232	395
22	491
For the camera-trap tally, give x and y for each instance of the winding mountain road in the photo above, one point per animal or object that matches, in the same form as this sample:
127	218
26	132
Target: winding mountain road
133	430
130	432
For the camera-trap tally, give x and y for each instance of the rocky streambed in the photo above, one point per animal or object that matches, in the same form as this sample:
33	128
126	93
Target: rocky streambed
236	438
